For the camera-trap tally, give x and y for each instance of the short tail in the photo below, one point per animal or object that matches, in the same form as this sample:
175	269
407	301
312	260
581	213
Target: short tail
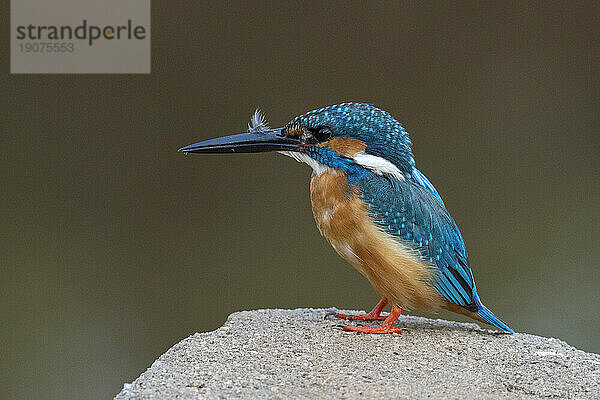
487	315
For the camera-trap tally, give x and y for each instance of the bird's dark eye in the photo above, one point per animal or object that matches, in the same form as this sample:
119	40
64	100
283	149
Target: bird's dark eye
322	134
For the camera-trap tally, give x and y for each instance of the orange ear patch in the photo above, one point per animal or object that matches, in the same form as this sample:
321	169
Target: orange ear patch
346	147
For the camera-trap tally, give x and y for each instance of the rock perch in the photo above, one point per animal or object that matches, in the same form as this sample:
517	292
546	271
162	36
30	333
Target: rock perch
287	354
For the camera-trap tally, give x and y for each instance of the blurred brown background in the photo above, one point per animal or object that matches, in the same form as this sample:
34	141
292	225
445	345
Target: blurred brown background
115	246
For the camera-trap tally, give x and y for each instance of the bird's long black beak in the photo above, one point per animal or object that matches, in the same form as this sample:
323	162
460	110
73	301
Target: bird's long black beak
251	142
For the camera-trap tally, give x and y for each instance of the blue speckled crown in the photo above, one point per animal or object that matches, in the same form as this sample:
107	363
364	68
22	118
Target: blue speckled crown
385	137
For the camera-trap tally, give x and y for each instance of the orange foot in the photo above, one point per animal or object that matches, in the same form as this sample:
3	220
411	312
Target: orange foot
371	329
385	327
373	315
361	317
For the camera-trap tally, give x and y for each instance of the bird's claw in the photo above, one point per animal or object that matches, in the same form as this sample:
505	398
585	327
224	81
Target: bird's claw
330	313
341	316
361	317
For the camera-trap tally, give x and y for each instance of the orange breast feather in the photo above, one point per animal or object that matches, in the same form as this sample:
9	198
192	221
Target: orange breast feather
395	270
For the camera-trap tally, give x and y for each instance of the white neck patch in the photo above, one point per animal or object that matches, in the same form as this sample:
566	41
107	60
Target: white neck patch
378	165
317	167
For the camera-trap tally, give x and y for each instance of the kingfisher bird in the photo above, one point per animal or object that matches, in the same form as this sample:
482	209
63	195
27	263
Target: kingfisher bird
376	209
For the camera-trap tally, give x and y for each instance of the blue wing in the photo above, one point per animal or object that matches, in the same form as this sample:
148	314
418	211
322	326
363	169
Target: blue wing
413	211
422	181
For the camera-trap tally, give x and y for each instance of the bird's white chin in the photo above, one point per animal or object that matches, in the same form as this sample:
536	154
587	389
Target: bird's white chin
317	167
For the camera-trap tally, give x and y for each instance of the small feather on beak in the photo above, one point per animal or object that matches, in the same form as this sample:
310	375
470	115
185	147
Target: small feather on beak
258	123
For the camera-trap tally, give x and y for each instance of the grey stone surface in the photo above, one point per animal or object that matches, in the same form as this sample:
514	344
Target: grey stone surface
288	354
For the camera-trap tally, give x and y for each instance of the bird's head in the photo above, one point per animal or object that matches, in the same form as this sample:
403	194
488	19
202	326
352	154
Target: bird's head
346	136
